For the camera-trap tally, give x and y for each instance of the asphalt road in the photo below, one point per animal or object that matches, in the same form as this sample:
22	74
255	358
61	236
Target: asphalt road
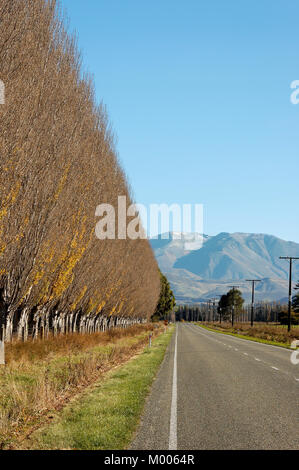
215	391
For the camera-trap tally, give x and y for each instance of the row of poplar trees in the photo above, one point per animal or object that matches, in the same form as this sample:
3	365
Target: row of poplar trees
57	164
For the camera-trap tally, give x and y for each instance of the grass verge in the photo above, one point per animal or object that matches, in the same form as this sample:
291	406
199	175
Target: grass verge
40	377
106	417
262	334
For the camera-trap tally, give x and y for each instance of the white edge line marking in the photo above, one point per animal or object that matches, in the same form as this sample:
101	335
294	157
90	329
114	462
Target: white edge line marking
173	413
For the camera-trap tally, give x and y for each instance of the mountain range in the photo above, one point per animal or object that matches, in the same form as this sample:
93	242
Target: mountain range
199	267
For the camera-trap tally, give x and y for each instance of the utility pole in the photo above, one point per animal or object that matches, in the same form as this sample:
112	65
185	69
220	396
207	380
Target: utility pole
220	313
219	307
291	259
204	311
214	307
233	307
252	302
209	314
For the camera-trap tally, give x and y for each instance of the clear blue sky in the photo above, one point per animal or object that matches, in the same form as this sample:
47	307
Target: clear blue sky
198	92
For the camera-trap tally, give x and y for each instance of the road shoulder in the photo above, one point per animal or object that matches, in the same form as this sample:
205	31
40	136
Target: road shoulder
107	416
153	430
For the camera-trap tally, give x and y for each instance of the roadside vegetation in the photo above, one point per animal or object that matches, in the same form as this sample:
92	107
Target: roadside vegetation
261	332
106	415
41	376
166	303
295	303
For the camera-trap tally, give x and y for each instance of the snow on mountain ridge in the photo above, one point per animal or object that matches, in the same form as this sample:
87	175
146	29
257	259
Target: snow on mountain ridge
226	258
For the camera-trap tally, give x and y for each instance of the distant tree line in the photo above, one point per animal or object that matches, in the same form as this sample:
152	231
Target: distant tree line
58	163
296	300
215	311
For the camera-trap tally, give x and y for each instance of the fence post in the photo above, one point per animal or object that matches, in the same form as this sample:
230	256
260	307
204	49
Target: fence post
2	92
2	353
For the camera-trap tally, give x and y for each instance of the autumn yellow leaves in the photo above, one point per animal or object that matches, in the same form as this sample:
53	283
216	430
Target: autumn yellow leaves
57	163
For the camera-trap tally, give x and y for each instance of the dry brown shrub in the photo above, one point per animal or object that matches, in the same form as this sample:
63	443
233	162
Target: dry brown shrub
33	387
38	350
277	333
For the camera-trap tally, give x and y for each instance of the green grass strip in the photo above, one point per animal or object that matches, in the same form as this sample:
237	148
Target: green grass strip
250	338
108	415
